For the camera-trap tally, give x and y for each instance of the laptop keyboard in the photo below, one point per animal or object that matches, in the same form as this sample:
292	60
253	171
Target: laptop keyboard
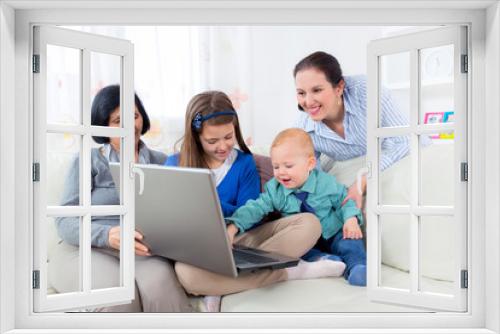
242	257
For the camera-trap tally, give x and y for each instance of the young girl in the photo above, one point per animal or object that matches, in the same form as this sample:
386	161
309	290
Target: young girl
211	132
211	129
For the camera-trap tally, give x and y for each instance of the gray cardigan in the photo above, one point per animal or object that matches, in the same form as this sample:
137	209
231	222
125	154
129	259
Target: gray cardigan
103	192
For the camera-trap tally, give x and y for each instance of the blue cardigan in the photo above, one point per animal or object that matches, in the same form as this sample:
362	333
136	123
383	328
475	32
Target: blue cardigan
241	183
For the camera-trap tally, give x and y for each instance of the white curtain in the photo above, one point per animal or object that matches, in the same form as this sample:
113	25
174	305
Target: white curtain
172	63
252	64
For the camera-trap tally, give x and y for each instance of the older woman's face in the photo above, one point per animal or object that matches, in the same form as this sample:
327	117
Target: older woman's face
114	121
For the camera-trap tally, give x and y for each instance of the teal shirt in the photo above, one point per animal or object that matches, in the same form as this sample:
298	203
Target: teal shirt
325	196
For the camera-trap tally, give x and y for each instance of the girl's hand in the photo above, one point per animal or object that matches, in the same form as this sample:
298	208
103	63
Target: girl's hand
114	241
351	229
231	232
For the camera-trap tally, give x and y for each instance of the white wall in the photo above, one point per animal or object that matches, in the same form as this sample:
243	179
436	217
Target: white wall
254	62
276	50
7	174
493	166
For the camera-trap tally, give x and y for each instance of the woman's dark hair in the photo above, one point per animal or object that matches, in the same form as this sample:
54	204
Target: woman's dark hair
105	102
323	62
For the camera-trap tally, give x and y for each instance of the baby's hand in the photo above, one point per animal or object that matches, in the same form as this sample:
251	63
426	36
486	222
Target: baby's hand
232	230
351	229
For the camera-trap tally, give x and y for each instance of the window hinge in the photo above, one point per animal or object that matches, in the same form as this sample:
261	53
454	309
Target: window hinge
464	274
36	172
36	279
36	63
464	171
465	64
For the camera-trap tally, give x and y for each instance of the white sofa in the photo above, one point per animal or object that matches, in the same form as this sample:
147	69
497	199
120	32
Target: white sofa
334	294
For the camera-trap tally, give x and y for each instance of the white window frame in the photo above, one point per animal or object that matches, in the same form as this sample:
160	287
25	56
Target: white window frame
413	43
16	19
85	44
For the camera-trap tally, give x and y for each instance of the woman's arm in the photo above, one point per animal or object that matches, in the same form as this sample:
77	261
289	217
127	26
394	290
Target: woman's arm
393	148
354	193
68	228
345	209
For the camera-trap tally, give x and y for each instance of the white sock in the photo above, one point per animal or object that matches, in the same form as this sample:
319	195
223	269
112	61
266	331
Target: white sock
317	269
212	303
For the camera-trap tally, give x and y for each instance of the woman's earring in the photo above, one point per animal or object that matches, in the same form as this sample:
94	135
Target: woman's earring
339	101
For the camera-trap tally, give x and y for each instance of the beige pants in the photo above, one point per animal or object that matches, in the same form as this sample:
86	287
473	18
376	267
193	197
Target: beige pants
293	236
156	286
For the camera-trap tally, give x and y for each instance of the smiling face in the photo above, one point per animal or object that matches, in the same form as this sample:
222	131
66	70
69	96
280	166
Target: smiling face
317	96
217	142
291	164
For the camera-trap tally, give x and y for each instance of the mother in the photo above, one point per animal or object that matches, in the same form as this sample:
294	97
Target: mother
156	285
335	114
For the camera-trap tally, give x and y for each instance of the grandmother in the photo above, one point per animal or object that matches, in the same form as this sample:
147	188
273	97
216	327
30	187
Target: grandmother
156	285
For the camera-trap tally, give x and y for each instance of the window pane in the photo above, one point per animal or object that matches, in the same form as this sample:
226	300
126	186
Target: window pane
63	256
105	71
62	168
437	254
395	241
437	172
106	171
394	166
436	85
394	96
63	85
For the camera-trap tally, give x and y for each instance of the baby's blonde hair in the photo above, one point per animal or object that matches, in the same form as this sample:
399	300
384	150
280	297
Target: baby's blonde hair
297	136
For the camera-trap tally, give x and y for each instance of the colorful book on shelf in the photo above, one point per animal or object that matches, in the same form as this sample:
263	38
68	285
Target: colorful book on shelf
440	117
448	117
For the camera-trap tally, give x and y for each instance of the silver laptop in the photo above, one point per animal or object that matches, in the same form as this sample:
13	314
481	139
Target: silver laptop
180	216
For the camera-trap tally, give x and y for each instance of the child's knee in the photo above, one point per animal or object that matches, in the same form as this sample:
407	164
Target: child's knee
186	277
312	223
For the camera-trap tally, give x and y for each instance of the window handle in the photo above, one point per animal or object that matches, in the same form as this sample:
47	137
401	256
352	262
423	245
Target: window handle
136	170
362	171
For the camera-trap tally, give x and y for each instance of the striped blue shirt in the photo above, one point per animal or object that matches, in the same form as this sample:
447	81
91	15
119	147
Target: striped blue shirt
327	142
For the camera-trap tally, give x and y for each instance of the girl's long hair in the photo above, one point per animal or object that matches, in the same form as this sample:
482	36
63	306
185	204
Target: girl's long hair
191	152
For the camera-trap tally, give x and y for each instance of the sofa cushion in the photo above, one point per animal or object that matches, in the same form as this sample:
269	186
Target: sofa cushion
323	295
395	234
265	169
436	233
